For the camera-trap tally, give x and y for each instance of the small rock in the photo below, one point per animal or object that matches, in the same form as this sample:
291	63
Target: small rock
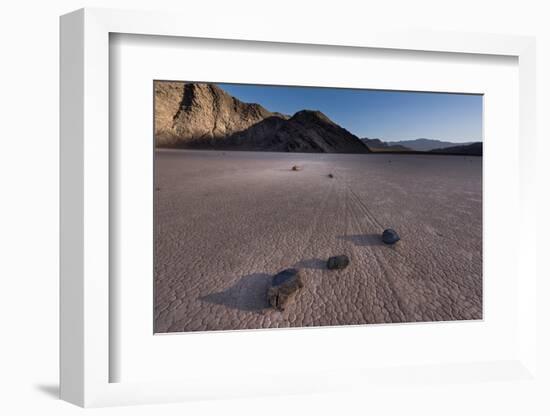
338	262
330	175
284	287
389	236
295	168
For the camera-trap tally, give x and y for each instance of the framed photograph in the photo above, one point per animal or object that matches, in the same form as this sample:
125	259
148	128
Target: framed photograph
274	219
281	214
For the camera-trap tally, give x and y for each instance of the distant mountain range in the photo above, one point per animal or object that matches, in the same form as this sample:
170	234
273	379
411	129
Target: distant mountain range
424	146
377	145
203	116
197	115
472	149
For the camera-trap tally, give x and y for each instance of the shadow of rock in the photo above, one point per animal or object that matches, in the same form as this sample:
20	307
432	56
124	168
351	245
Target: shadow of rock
364	240
317	264
248	294
51	390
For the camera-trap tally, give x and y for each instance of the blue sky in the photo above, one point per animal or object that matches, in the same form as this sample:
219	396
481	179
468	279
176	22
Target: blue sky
388	115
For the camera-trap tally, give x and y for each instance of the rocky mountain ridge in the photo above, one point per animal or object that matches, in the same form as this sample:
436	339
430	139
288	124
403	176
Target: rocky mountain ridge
200	115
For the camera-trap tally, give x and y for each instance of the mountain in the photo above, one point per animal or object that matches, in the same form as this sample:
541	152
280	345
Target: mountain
425	145
187	113
306	131
377	145
472	149
199	115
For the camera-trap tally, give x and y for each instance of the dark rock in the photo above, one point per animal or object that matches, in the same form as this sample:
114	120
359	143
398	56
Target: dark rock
338	262
389	236
284	287
330	175
296	167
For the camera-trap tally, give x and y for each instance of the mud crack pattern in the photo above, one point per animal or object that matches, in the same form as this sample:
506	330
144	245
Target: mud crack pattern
226	222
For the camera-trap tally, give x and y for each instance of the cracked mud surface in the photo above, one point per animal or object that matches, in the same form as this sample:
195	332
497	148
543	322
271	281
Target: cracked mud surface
226	222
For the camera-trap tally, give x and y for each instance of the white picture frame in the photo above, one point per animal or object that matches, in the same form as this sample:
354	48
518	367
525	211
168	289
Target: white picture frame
86	355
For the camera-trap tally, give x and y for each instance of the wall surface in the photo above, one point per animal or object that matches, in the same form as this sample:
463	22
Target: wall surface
29	209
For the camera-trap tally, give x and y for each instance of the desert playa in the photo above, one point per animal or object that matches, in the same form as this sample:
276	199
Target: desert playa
227	221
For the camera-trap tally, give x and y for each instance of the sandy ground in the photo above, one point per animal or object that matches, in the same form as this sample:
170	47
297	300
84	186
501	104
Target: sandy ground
227	221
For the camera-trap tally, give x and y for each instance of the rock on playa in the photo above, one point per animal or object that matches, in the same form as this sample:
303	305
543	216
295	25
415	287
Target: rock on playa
338	262
284	287
389	236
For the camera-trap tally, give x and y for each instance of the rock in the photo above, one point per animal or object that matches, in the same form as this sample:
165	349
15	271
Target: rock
295	168
338	262
284	287
330	175
389	236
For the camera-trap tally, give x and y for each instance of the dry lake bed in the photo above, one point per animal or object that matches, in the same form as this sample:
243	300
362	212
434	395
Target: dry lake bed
226	222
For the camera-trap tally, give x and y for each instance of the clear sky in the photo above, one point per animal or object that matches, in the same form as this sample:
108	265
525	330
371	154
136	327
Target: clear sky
387	115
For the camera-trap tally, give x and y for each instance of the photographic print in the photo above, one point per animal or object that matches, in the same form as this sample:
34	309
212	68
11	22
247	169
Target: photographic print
289	206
